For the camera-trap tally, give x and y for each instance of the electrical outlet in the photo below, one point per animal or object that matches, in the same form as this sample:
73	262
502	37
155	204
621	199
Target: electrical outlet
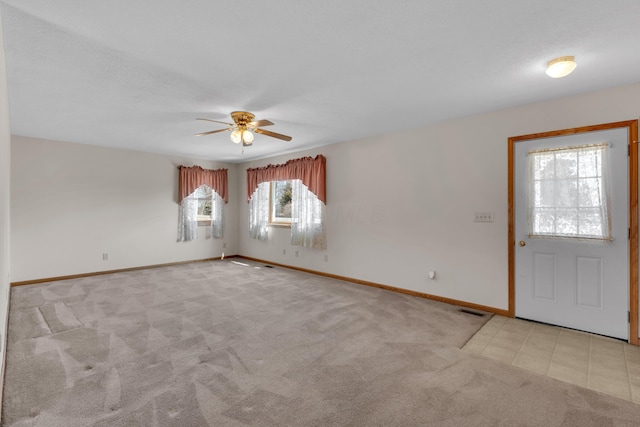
326	258
224	245
296	254
483	217
105	256
284	252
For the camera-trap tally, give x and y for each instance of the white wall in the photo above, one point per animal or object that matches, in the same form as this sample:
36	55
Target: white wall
402	204
399	205
70	203
5	168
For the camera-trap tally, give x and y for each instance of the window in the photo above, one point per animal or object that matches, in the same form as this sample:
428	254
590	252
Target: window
203	207
204	196
568	193
280	202
288	202
294	194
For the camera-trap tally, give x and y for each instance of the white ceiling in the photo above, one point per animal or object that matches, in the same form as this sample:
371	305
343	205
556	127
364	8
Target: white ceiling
136	74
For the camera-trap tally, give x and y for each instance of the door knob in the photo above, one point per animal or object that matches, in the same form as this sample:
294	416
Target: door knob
522	243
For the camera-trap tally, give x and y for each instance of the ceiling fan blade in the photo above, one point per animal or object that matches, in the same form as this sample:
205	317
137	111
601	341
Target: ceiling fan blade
217	121
260	123
210	132
273	134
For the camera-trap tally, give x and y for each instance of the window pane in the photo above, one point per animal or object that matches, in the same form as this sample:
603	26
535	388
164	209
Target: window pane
545	221
589	194
566	165
203	195
591	222
545	194
567	192
204	207
281	197
590	164
544	166
567	222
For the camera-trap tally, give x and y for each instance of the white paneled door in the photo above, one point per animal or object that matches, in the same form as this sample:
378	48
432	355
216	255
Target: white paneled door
571	231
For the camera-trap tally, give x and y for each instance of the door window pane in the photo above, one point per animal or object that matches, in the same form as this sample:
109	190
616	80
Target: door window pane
568	193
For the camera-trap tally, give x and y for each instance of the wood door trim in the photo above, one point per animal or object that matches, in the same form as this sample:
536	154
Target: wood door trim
633	236
632	131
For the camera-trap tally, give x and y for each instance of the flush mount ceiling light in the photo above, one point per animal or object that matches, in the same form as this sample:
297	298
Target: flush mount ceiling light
561	67
243	127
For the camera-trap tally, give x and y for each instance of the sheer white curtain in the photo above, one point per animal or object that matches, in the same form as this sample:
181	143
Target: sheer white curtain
188	219
259	212
568	193
195	205
217	216
307	218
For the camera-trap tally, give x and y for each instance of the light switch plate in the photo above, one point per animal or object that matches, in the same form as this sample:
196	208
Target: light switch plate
483	217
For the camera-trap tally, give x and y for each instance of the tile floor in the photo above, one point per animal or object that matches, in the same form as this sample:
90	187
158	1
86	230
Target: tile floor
603	364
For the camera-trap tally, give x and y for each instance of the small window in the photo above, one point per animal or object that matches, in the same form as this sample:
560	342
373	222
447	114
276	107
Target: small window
280	203
568	195
203	195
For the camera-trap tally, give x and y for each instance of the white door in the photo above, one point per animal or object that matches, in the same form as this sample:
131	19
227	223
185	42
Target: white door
579	283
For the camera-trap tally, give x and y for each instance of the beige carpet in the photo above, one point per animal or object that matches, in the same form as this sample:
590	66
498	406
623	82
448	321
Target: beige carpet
224	344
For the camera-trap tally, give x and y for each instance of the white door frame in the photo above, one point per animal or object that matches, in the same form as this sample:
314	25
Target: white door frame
632	132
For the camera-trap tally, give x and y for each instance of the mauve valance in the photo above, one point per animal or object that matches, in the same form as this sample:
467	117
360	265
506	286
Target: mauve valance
311	171
194	176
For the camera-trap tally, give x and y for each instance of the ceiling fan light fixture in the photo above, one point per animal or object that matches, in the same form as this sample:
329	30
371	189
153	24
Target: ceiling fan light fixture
236	136
561	67
244	127
247	136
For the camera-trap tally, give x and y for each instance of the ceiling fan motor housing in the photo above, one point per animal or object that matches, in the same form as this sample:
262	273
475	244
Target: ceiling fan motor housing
242	118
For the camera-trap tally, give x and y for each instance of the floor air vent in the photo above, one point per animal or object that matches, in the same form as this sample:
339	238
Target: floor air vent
475	313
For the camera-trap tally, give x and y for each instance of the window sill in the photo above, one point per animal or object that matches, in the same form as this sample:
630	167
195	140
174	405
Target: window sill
280	224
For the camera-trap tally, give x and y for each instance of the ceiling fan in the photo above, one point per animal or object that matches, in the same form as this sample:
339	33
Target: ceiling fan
242	127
